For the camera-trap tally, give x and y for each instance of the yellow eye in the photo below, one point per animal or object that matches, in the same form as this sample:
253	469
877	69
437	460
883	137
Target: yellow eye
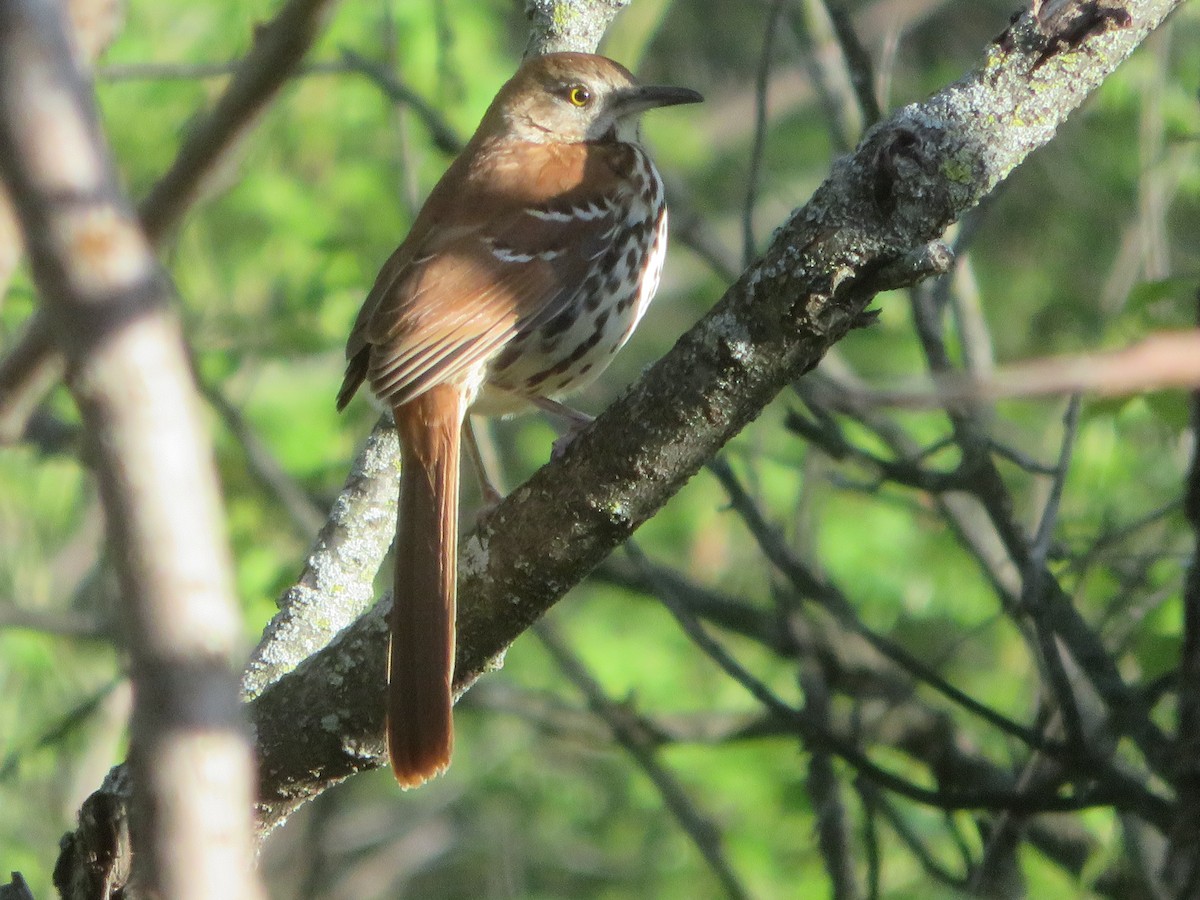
579	95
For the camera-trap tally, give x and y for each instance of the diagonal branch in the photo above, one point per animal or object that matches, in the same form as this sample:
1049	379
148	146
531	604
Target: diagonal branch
630	732
279	45
911	176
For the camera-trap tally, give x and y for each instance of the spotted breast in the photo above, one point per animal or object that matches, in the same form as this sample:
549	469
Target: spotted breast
556	354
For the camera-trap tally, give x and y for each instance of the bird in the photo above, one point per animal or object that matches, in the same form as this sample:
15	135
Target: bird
524	272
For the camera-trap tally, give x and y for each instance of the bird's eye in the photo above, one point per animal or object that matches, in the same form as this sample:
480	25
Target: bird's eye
578	95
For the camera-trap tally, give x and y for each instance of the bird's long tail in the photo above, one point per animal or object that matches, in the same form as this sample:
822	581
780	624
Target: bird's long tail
420	730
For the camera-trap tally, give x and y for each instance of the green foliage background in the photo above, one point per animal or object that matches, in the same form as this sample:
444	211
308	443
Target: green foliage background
270	271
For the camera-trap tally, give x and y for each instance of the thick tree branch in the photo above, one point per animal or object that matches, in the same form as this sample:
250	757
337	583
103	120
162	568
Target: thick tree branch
109	307
337	582
557	25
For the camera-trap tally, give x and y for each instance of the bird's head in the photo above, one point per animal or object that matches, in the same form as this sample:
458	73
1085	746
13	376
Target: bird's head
576	97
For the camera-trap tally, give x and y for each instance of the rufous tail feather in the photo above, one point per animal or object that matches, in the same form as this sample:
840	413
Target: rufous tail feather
420	730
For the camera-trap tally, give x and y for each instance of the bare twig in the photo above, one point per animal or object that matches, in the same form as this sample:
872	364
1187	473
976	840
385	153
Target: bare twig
178	71
819	738
1032	593
808	585
833	833
985	524
303	512
64	726
279	45
1058	619
858	61
761	81
631	735
445	138
27	371
913	840
109	306
829	71
1156	362
870	839
72	625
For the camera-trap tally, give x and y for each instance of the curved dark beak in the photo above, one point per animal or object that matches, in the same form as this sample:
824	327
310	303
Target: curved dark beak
644	97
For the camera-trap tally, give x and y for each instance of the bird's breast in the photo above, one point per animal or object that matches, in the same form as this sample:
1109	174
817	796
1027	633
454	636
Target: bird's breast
568	346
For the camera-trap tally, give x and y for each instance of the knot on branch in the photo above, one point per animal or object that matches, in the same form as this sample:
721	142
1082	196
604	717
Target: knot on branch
904	169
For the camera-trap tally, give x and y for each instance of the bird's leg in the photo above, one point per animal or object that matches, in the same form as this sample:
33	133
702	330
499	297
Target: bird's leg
574	421
490	495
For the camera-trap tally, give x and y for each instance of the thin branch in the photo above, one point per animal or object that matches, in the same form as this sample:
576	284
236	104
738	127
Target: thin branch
728	612
761	82
305	515
28	370
827	67
808	585
870	839
1032	593
1058	617
819	738
833	833
66	725
907	472
631	734
1020	459
1157	362
445	138
279	45
985	525
1182	868
959	292
691	228
910	838
60	624
175	71
858	61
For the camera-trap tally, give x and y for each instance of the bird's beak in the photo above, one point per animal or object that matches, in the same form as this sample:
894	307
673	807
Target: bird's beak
644	97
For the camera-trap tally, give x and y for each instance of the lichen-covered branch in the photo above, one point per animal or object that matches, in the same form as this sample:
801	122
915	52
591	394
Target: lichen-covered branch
336	584
578	25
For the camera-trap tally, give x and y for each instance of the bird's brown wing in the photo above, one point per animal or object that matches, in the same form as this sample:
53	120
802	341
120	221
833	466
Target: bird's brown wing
453	301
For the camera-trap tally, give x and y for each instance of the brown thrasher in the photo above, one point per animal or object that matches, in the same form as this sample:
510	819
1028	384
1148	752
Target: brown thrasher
526	270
